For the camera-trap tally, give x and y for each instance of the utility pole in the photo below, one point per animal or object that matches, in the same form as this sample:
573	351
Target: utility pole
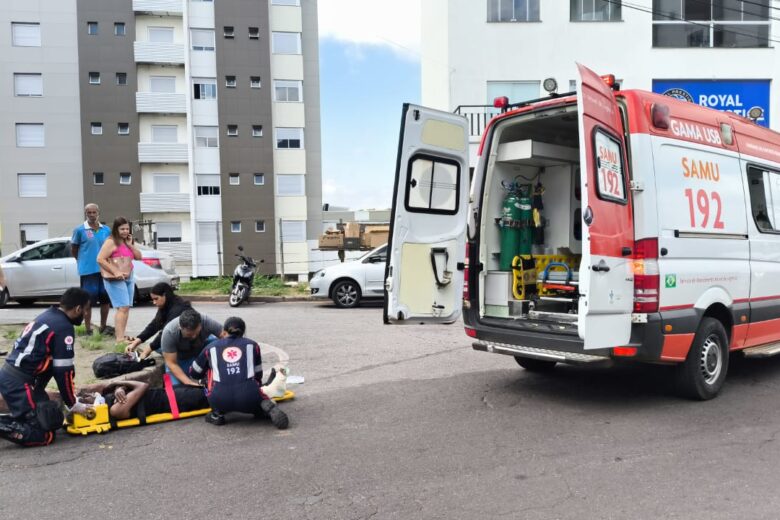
281	246
219	250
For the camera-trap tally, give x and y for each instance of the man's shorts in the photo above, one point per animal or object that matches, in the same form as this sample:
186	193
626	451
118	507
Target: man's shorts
93	284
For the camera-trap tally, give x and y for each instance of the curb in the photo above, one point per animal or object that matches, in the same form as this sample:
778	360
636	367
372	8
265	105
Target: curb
252	299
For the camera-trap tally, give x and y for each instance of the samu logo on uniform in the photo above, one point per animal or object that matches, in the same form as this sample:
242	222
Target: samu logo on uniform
671	281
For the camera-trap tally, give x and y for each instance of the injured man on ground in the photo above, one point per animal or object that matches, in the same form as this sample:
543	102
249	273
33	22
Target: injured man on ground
133	399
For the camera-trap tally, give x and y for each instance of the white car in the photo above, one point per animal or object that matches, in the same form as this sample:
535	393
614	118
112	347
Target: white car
349	283
45	269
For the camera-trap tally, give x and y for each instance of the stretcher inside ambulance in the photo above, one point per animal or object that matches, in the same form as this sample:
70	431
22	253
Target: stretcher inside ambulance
596	225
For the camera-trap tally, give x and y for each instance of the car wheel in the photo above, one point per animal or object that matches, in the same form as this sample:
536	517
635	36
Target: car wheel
346	294
3	298
703	372
535	365
25	302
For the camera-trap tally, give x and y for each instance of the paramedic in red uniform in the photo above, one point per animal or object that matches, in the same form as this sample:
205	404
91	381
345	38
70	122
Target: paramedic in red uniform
234	371
44	350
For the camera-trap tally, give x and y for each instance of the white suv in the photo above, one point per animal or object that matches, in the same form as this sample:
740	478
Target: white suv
348	283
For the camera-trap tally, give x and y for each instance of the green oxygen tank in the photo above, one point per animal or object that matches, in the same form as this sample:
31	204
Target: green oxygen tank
510	230
526	218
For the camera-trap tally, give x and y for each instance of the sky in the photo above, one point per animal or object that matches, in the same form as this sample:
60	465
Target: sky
369	66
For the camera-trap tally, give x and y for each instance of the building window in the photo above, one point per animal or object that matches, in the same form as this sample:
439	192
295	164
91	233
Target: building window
162	84
165	183
97	178
30	135
230	31
290	185
121	78
710	23
254	33
119	29
208	185
259	179
168	232
232	130
160	34
288	91
289	138
285	2
234	179
257	130
230	81
28	85
516	91
123	128
96	128
125	178
513	11
286	42
92	28
254	82
595	11
202	39
94	78
206	137
32	184
293	231
26	34
235	226
33	233
165	134
204	88
259	226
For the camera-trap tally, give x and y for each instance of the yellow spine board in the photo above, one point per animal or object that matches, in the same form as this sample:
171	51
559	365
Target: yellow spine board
100	424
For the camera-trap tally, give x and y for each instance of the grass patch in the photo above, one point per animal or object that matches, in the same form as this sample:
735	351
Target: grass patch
96	341
263	286
12	334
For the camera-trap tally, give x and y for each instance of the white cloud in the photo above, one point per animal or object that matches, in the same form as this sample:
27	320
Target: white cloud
394	24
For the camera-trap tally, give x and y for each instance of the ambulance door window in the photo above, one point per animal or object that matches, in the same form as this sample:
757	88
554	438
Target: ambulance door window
432	185
611	180
764	186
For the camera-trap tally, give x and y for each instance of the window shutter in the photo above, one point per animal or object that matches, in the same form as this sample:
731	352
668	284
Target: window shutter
166	183
28	84
293	231
27	35
32	184
290	185
29	134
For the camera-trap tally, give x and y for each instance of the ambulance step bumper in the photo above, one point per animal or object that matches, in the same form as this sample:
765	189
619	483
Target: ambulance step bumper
762	351
572	358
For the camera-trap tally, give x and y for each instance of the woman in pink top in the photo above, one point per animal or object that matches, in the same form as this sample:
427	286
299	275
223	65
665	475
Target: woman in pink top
116	266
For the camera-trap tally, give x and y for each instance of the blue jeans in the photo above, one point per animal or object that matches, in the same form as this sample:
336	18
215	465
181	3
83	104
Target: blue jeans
185	364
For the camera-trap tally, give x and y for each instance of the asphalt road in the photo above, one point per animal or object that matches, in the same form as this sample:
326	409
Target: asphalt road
409	422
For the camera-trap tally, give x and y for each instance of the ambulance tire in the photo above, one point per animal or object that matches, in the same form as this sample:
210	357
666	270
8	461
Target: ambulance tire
703	372
4	298
535	365
25	302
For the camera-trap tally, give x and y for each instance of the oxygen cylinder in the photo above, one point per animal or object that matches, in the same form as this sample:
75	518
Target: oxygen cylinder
526	218
510	231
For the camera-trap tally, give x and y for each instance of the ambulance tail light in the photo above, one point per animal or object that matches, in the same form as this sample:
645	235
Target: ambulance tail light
647	277
660	116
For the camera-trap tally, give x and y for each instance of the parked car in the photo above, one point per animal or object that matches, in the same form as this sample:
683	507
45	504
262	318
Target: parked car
349	283
46	269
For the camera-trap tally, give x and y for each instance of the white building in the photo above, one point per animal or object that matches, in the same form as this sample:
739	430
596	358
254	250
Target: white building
716	52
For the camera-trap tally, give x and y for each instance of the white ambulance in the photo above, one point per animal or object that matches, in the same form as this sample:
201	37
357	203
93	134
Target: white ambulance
658	234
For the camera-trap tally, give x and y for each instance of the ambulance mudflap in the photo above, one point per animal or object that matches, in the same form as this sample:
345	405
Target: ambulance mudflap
424	270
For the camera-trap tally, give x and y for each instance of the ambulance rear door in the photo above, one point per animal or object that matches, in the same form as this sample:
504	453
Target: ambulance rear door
426	251
606	272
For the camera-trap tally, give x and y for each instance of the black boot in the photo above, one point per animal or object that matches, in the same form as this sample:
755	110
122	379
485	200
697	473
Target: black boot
12	430
215	418
273	412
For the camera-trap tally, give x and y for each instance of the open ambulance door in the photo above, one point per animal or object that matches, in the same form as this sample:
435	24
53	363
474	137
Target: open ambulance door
426	251
606	273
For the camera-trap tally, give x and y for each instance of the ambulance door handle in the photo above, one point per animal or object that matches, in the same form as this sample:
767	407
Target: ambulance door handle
626	251
601	267
664	251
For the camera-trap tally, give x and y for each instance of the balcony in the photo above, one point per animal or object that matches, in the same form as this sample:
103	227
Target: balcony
165	202
478	117
159	103
159	53
162	152
158	7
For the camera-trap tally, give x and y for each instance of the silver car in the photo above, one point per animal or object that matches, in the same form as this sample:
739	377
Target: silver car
44	270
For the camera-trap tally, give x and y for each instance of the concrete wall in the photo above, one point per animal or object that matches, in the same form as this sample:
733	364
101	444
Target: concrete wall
58	109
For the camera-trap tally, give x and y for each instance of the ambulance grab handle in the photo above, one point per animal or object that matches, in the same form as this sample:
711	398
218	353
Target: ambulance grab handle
601	267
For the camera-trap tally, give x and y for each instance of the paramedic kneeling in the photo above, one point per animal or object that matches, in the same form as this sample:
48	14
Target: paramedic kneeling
183	338
234	370
44	350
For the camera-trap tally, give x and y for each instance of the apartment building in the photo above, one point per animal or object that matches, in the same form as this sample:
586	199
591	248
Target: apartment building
717	53
199	121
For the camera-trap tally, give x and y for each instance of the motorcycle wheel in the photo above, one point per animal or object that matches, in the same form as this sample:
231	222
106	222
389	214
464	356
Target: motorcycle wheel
237	296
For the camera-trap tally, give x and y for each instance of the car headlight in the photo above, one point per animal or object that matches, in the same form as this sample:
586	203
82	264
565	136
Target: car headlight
319	273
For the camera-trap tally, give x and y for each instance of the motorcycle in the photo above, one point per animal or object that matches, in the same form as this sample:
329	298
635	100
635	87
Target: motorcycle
243	277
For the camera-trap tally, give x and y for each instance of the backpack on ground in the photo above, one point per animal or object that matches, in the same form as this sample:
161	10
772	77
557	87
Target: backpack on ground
113	365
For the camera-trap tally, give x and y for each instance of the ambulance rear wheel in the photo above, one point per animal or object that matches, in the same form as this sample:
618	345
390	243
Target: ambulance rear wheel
535	365
702	374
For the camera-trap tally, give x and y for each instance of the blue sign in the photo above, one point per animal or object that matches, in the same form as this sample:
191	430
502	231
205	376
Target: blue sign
738	96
